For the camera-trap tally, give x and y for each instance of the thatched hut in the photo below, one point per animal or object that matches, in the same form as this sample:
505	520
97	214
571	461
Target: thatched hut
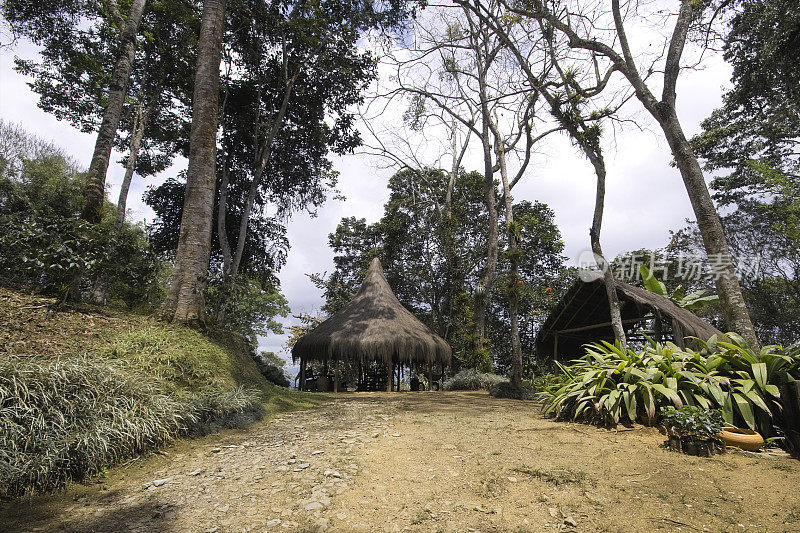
583	316
374	326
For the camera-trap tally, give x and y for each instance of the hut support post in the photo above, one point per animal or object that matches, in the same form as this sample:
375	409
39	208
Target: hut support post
389	374
336	377
302	384
555	346
430	377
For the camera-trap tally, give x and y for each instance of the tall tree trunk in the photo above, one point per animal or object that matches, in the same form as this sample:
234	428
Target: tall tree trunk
184	301
485	285
265	153
593	153
232	259
513	277
224	244
594	237
487	280
733	304
737	317
94	192
447	231
139	125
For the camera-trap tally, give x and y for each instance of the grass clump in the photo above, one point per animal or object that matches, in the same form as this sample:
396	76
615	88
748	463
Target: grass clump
82	389
68	419
471	379
565	476
180	358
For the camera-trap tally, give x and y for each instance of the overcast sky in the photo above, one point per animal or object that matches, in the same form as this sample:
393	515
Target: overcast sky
645	195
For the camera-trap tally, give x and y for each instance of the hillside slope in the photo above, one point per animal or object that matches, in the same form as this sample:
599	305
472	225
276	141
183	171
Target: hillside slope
83	388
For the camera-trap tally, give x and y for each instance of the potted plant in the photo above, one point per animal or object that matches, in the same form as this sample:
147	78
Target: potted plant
693	430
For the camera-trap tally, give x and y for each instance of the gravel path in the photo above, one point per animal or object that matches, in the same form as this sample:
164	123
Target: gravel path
424	462
278	474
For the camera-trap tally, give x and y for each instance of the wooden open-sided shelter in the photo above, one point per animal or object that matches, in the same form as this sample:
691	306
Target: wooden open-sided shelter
582	316
374	326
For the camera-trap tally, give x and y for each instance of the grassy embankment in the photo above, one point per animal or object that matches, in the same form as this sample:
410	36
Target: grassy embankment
82	389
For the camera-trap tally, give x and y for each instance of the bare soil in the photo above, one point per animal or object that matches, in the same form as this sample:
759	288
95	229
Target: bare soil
453	461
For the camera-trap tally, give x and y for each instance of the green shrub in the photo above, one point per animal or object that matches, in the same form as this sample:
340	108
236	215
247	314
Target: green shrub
48	248
214	410
471	379
274	375
692	421
609	385
271	367
504	389
67	419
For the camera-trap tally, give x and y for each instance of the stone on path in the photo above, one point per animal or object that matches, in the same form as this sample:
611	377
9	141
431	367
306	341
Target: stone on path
313	506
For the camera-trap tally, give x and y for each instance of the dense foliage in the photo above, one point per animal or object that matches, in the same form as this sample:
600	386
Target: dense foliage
272	368
691	420
609	385
46	247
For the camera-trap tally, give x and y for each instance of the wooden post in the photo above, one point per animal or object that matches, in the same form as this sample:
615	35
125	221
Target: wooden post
302	373
555	346
389	374
430	377
336	376
657	328
790	399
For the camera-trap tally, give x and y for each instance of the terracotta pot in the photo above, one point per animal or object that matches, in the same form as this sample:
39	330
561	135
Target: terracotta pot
746	439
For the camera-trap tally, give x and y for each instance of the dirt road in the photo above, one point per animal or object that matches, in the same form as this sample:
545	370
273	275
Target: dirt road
425	462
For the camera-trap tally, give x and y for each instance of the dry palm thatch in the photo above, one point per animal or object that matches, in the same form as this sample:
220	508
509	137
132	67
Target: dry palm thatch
583	316
373	326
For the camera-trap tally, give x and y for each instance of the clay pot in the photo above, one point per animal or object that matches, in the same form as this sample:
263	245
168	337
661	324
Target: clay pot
746	439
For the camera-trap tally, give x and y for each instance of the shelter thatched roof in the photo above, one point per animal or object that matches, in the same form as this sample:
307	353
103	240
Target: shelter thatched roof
373	326
583	316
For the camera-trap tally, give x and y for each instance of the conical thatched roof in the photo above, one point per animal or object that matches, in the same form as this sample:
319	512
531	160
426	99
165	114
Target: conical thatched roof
373	326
